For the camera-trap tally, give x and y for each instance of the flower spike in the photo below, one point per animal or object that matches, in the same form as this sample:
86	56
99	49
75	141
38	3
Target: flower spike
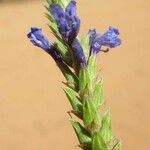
77	59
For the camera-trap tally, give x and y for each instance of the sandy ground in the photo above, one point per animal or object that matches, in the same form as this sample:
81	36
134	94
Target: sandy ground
32	104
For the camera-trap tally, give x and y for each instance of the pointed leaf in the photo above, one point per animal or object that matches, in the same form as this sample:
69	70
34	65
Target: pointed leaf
49	17
72	80
90	116
47	8
117	146
106	129
65	53
74	101
49	1
92	66
53	27
55	1
83	78
82	134
98	94
64	3
85	45
98	142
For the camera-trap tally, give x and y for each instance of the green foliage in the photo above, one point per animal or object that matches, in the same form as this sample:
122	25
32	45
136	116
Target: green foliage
92	66
55	31
98	142
72	80
49	1
83	78
64	3
64	52
85	45
106	129
48	16
98	94
74	101
117	146
90	116
82	134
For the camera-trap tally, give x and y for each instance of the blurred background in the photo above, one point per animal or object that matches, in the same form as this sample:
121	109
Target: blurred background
33	107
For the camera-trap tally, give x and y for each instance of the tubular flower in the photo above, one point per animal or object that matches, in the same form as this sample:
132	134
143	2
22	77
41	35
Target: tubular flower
38	39
67	21
78	52
109	39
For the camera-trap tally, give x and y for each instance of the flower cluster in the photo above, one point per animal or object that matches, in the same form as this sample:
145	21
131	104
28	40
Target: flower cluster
68	24
77	61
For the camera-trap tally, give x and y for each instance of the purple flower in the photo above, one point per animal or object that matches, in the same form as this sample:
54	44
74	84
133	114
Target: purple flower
109	39
78	52
68	22
38	39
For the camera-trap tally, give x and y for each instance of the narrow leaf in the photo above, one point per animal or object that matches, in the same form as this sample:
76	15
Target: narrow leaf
55	1
49	17
72	80
98	142
74	101
53	27
98	94
92	66
55	31
65	53
117	146
49	1
83	78
85	45
90	116
64	3
106	129
82	134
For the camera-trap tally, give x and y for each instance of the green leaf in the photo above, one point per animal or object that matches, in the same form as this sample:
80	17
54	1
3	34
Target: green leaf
98	142
83	78
86	46
54	28
64	3
65	53
90	116
82	134
71	78
98	94
92	66
55	1
117	146
106	129
47	8
49	1
49	17
74	101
